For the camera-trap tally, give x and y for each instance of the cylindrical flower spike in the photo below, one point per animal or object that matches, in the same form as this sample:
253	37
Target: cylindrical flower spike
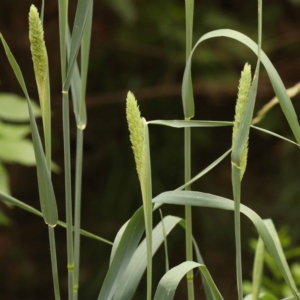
243	93
136	129
38	49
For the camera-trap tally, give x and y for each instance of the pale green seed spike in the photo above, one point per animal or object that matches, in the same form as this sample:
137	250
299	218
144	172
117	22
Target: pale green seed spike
38	49
136	129
243	93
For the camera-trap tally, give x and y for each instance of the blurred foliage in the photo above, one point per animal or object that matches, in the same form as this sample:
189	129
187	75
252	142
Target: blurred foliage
14	146
272	281
139	45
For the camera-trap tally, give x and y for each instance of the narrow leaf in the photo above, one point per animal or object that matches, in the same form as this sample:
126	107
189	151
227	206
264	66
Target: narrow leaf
47	197
168	284
213	201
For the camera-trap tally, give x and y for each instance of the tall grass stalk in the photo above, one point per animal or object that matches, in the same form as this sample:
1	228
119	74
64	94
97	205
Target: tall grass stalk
68	193
63	27
41	69
189	8
81	121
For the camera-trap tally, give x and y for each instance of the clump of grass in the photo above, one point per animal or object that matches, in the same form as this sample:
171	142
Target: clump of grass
126	245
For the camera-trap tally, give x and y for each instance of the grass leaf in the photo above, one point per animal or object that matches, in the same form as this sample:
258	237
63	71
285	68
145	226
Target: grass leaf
213	201
168	284
47	197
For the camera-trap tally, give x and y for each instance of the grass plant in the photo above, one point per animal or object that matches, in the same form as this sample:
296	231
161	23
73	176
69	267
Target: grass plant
131	256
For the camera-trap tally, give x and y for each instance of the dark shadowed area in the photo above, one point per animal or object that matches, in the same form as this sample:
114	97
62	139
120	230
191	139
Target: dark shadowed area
139	45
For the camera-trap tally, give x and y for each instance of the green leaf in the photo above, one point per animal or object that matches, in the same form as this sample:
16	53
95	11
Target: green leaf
213	201
17	151
188	102
258	268
270	225
127	246
7	199
206	170
13	132
168	284
85	51
279	89
14	108
138	263
190	123
47	197
207	290
82	13
274	134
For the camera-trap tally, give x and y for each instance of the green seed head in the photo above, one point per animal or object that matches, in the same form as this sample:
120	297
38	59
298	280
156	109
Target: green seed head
136	129
37	47
243	93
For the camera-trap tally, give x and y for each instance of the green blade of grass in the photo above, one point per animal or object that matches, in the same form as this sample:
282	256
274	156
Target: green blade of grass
190	123
198	123
85	51
46	192
188	102
15	202
274	134
165	241
82	13
271	227
207	290
168	284
126	247
258	268
213	201
279	89
206	170
138	263
63	30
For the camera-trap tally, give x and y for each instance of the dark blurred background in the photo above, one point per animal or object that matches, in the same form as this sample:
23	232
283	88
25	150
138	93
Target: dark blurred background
139	45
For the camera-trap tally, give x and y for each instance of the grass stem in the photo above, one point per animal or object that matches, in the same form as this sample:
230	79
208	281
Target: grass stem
54	262
188	212
78	184
68	193
189	12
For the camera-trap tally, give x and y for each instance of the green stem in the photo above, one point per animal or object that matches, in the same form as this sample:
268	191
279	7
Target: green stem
188	212
189	12
78	183
237	224
165	241
63	22
66	135
54	262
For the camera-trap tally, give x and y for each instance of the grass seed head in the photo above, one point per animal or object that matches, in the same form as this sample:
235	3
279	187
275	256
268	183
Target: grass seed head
243	93
37	46
136	129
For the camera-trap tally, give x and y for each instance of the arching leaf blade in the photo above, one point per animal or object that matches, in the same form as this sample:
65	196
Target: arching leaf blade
169	282
46	191
278	86
137	266
213	201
